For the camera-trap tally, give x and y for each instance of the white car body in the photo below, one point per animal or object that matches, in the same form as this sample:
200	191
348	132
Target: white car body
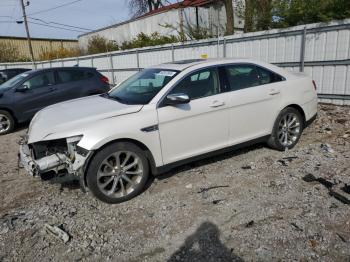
172	134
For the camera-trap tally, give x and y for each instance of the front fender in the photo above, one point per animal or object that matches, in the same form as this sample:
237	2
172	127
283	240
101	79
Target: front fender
127	127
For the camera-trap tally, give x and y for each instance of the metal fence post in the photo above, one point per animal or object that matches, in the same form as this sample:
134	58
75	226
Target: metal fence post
92	62
224	48
302	50
172	53
217	46
77	60
137	60
111	67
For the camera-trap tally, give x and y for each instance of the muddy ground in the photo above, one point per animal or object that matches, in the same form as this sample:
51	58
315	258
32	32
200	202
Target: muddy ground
248	205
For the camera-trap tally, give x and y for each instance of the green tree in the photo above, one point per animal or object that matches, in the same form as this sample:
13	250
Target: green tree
298	12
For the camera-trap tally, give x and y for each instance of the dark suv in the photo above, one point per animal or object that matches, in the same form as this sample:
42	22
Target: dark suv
25	94
7	74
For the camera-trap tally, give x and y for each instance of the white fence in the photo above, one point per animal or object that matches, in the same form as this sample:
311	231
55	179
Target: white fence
321	50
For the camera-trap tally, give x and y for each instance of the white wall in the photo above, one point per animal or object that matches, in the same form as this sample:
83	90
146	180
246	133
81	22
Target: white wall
208	17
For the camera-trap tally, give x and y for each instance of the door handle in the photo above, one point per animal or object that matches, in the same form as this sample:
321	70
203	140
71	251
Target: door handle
217	103
274	92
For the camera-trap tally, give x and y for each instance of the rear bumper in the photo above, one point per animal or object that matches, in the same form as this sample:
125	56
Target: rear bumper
310	109
311	120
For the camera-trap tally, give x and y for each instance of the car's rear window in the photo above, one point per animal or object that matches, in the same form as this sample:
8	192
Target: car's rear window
65	76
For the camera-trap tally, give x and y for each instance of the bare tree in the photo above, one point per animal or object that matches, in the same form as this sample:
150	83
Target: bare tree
229	17
140	7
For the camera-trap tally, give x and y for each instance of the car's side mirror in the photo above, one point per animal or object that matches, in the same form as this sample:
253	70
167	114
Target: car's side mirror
22	88
176	99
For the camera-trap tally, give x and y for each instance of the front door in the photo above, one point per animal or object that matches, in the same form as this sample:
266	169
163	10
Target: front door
198	127
40	93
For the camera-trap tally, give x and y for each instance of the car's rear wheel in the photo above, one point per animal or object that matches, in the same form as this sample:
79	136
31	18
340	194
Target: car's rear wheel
7	123
118	172
287	129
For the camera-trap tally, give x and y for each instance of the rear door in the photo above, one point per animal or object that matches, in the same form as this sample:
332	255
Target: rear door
40	93
73	83
254	101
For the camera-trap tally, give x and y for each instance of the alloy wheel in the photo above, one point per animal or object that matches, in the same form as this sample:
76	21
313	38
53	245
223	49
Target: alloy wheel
289	129
5	123
119	174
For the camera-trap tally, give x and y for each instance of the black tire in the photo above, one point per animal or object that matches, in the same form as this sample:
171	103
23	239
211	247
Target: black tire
95	183
11	122
274	139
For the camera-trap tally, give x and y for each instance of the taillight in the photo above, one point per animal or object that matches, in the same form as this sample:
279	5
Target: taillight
104	79
314	83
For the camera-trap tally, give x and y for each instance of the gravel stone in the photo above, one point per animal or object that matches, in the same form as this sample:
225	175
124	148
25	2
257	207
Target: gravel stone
247	205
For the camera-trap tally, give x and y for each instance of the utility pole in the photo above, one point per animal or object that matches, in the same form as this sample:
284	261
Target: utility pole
27	31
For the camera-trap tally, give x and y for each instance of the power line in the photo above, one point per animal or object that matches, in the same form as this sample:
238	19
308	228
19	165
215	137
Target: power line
53	8
57	27
51	22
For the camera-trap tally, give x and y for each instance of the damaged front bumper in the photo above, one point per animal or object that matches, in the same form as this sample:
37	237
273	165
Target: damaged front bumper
73	160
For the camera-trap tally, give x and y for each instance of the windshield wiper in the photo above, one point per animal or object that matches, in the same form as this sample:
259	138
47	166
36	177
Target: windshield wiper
117	98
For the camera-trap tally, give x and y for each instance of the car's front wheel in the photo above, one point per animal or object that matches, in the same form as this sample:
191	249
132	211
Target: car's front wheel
287	129
118	172
7	123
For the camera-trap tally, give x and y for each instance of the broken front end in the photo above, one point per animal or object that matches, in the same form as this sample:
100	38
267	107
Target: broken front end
54	156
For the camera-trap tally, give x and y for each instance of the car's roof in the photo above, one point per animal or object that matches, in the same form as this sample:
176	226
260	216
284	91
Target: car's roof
14	69
199	63
184	64
66	67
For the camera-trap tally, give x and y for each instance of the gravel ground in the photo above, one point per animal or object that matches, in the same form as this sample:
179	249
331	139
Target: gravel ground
251	204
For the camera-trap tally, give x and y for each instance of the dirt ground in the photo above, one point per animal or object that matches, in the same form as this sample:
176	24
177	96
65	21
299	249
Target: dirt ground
252	204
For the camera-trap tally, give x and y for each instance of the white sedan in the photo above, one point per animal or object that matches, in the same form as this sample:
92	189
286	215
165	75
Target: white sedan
165	116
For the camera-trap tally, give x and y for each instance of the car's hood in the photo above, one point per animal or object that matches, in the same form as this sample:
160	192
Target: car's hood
73	116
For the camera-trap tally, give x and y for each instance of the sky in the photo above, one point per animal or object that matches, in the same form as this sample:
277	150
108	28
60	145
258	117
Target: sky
78	14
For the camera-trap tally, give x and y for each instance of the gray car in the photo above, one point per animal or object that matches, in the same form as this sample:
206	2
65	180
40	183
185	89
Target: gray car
25	94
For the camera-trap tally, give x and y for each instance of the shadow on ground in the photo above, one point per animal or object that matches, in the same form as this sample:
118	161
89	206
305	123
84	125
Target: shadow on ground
204	245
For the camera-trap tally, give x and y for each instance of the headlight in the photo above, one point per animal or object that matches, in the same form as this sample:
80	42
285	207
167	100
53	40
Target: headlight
74	139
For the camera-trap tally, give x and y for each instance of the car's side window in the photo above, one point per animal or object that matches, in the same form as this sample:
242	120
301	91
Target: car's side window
268	77
199	84
41	80
242	76
65	76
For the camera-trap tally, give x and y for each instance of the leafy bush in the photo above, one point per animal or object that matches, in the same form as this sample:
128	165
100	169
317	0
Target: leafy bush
99	44
143	40
9	53
59	53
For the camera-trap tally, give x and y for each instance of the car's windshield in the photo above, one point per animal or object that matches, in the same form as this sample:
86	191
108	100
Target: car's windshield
13	81
143	86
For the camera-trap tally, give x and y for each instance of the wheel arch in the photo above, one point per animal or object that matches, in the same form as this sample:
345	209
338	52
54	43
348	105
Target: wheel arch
147	151
300	110
10	111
